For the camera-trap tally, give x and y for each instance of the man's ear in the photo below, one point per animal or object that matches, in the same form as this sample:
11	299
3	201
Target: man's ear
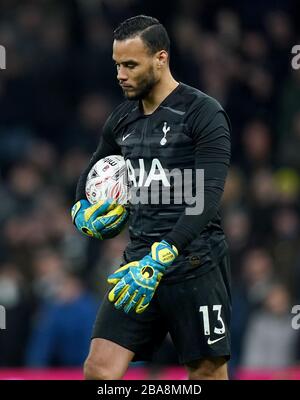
162	58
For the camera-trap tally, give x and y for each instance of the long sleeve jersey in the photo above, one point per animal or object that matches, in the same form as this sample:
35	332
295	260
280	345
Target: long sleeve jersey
188	133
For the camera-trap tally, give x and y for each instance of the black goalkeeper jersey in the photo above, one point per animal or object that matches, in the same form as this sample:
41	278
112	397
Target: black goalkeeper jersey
189	131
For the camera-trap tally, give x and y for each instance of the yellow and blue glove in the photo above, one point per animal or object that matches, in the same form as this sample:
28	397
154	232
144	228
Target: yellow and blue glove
103	220
136	282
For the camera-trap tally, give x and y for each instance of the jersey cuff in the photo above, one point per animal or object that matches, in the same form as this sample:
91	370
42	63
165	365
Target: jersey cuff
173	242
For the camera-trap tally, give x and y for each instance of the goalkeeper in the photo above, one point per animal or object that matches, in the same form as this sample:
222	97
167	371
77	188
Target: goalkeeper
175	276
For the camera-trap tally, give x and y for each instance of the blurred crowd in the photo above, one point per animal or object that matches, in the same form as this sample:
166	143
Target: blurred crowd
59	87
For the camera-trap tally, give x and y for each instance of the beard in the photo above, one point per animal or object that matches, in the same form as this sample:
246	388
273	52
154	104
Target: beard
143	87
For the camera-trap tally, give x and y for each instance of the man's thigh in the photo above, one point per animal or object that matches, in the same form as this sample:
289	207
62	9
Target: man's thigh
140	333
197	312
106	360
213	368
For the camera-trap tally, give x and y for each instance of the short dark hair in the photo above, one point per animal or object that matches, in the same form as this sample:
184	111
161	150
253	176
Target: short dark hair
150	30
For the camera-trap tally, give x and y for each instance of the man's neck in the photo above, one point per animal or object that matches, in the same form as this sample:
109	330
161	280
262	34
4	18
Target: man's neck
158	94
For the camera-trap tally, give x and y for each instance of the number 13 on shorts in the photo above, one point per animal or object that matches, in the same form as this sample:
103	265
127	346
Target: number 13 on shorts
206	311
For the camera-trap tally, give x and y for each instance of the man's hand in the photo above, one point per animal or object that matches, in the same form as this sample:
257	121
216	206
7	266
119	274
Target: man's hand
102	220
136	282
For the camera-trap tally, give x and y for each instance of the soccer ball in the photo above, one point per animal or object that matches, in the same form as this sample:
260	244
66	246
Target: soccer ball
108	179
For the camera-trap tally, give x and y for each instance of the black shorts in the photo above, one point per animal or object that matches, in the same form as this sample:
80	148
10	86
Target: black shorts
196	312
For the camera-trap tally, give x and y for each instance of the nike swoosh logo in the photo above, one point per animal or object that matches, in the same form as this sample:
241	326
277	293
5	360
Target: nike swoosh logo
126	136
214	341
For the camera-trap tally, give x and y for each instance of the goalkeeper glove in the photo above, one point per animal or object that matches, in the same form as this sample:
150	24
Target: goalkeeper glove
136	282
102	220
